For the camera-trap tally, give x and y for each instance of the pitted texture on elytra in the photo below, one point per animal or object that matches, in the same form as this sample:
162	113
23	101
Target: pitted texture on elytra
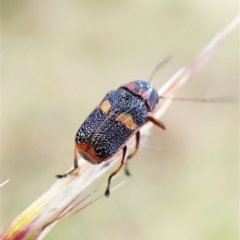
145	90
103	132
90	126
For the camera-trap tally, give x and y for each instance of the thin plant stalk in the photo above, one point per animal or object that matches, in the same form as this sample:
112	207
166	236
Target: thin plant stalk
42	215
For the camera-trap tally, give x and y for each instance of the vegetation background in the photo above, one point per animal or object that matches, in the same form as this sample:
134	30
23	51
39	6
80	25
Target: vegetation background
61	57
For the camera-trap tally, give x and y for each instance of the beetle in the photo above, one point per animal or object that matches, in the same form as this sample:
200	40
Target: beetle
118	117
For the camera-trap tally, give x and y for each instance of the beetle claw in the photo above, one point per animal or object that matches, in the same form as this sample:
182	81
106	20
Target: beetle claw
127	172
66	174
107	193
61	175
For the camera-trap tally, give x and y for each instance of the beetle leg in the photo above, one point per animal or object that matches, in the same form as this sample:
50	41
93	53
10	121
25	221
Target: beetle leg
133	153
75	165
124	157
156	122
75	158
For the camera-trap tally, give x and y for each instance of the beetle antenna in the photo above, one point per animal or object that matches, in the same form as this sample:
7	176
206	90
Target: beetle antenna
209	100
162	63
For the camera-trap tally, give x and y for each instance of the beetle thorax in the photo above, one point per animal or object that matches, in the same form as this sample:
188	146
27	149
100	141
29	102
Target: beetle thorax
144	90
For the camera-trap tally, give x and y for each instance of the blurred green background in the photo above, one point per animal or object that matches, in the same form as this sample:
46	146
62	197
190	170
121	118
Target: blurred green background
61	57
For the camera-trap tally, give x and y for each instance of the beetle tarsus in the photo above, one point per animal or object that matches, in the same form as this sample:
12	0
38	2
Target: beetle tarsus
127	172
107	193
61	176
66	174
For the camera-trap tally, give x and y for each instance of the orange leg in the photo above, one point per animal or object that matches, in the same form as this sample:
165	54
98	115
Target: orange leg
133	153
75	165
156	122
124	157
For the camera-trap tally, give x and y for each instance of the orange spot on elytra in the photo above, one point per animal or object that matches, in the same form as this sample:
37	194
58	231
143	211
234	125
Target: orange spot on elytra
105	106
127	120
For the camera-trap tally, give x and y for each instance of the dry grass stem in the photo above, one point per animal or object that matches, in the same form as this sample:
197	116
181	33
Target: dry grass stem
41	216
